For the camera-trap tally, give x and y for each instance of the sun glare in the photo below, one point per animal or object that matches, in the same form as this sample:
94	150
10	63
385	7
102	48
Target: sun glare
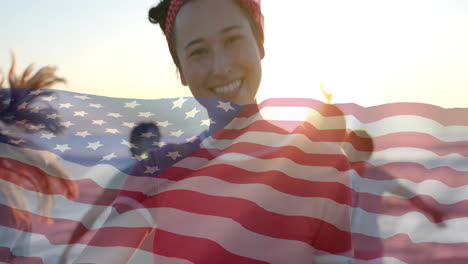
363	54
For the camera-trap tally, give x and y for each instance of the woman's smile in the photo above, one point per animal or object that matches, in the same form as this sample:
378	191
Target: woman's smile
229	89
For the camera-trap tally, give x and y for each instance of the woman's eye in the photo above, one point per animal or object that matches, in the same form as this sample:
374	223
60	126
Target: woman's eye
233	39
198	52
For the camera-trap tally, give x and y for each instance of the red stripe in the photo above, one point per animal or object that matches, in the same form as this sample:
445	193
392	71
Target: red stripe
394	206
378	143
92	193
338	192
332	190
66	231
365	247
403	248
35	179
89	192
414	172
416	140
196	250
295	154
315	232
8	257
338	161
307	129
444	116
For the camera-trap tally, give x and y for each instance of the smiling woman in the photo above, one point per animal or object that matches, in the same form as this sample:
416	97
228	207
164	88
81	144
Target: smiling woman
220	59
251	191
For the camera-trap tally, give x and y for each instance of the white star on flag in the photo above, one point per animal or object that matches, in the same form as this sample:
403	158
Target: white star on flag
99	122
174	155
83	134
53	116
67	124
49	98
22	122
191	140
108	157
95	145
159	144
147	135
48	136
178	133
192	113
126	143
80	113
116	115
226	106
36	92
35	110
17	141
23	105
145	114
164	123
178	103
208	122
96	106
151	170
132	104
112	131
37	127
129	124
62	148
67	105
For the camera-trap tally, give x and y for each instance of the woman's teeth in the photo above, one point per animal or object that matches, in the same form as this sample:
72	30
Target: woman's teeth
228	88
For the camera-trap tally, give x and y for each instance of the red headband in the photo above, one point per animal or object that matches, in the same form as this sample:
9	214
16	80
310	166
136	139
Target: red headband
251	6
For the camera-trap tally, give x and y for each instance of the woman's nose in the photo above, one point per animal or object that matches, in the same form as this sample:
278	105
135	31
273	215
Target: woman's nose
222	63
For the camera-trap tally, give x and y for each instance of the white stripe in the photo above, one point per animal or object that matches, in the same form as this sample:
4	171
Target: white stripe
235	238
269	139
62	207
438	190
286	166
392	124
262	195
423	157
410	123
271	199
386	260
102	174
39	246
414	224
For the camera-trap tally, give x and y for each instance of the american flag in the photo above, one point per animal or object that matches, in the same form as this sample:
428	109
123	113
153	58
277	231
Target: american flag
188	180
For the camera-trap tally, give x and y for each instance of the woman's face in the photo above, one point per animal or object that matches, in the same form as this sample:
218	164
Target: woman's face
217	51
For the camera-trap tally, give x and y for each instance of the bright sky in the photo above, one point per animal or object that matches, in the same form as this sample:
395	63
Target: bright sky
365	51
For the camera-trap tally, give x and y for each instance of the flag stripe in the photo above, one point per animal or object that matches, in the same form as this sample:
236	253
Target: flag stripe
443	116
9	257
193	249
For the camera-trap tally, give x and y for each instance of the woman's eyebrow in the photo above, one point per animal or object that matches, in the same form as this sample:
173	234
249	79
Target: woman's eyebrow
193	42
227	29
224	30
